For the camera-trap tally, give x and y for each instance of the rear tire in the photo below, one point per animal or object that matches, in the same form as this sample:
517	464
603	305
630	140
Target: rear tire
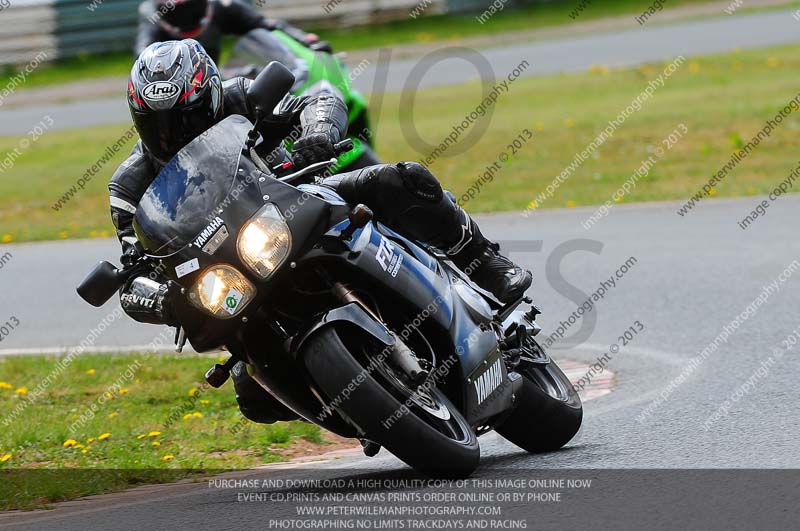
548	412
411	438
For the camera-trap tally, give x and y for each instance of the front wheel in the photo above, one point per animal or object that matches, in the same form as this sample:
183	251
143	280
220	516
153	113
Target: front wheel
548	413
425	431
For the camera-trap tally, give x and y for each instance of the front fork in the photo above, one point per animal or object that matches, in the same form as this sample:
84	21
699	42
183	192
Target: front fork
415	369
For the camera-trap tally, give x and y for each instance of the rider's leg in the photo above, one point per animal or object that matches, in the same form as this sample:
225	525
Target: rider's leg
408	198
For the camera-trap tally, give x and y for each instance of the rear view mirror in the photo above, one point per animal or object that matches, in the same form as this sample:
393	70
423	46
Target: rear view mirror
270	87
101	284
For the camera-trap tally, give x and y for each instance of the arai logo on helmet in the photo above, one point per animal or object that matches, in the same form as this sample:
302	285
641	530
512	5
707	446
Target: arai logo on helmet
160	90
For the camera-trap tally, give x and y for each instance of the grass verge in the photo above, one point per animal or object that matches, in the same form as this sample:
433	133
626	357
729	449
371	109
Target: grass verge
723	100
421	30
111	422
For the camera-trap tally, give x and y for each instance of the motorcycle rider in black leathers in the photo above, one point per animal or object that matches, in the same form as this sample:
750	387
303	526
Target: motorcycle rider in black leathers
207	22
175	93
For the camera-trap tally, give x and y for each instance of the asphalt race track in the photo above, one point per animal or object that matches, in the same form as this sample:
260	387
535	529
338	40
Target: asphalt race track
692	276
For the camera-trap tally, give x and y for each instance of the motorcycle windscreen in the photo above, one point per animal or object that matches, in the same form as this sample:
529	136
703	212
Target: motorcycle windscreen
258	48
191	189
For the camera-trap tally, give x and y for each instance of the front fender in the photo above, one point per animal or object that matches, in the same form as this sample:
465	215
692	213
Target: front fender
352	313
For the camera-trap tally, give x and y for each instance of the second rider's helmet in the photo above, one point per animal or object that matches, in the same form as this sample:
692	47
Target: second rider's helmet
174	95
183	18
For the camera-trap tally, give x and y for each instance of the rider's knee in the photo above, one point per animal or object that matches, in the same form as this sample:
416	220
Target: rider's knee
418	180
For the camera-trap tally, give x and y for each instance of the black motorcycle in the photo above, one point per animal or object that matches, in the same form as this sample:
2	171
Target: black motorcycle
348	324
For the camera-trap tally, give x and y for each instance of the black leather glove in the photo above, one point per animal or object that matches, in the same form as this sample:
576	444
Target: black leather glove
131	254
321	46
315	147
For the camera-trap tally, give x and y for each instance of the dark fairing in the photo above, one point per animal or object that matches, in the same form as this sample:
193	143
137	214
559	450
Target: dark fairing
190	187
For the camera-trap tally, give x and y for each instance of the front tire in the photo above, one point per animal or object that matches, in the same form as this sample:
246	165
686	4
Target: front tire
548	412
449	450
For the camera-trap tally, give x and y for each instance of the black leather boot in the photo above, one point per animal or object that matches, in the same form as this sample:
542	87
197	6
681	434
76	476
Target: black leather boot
481	260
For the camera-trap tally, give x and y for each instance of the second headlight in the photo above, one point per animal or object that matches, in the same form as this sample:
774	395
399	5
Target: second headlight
265	241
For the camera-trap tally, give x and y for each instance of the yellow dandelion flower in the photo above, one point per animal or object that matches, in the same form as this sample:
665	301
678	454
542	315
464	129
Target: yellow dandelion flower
694	68
5	385
90	440
571	204
142	436
533	205
619	199
197	414
193	391
712	192
205	402
187	416
598	69
22	391
156	443
63	234
91	371
123	391
168	457
773	62
103	437
112	415
70	443
540	126
4	458
222	358
77	446
85	451
154	434
7	238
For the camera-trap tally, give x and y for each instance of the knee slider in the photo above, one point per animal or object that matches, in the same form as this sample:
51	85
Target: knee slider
420	181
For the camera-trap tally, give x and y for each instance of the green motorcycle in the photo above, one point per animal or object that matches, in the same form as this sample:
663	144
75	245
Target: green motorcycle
314	72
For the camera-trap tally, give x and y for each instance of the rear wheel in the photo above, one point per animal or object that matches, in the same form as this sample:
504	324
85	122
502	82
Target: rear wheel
422	429
548	413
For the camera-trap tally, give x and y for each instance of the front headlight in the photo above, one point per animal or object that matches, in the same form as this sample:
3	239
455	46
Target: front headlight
265	241
222	291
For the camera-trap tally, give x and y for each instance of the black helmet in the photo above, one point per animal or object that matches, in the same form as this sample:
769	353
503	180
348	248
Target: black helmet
174	94
184	18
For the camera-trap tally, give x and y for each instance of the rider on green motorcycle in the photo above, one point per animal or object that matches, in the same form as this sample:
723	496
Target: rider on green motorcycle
207	21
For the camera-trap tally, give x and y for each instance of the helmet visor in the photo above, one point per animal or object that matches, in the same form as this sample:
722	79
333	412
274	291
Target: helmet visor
164	133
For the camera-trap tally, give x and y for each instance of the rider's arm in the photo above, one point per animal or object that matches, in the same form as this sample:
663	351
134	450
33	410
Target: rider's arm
126	188
295	116
146	295
237	18
323	112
